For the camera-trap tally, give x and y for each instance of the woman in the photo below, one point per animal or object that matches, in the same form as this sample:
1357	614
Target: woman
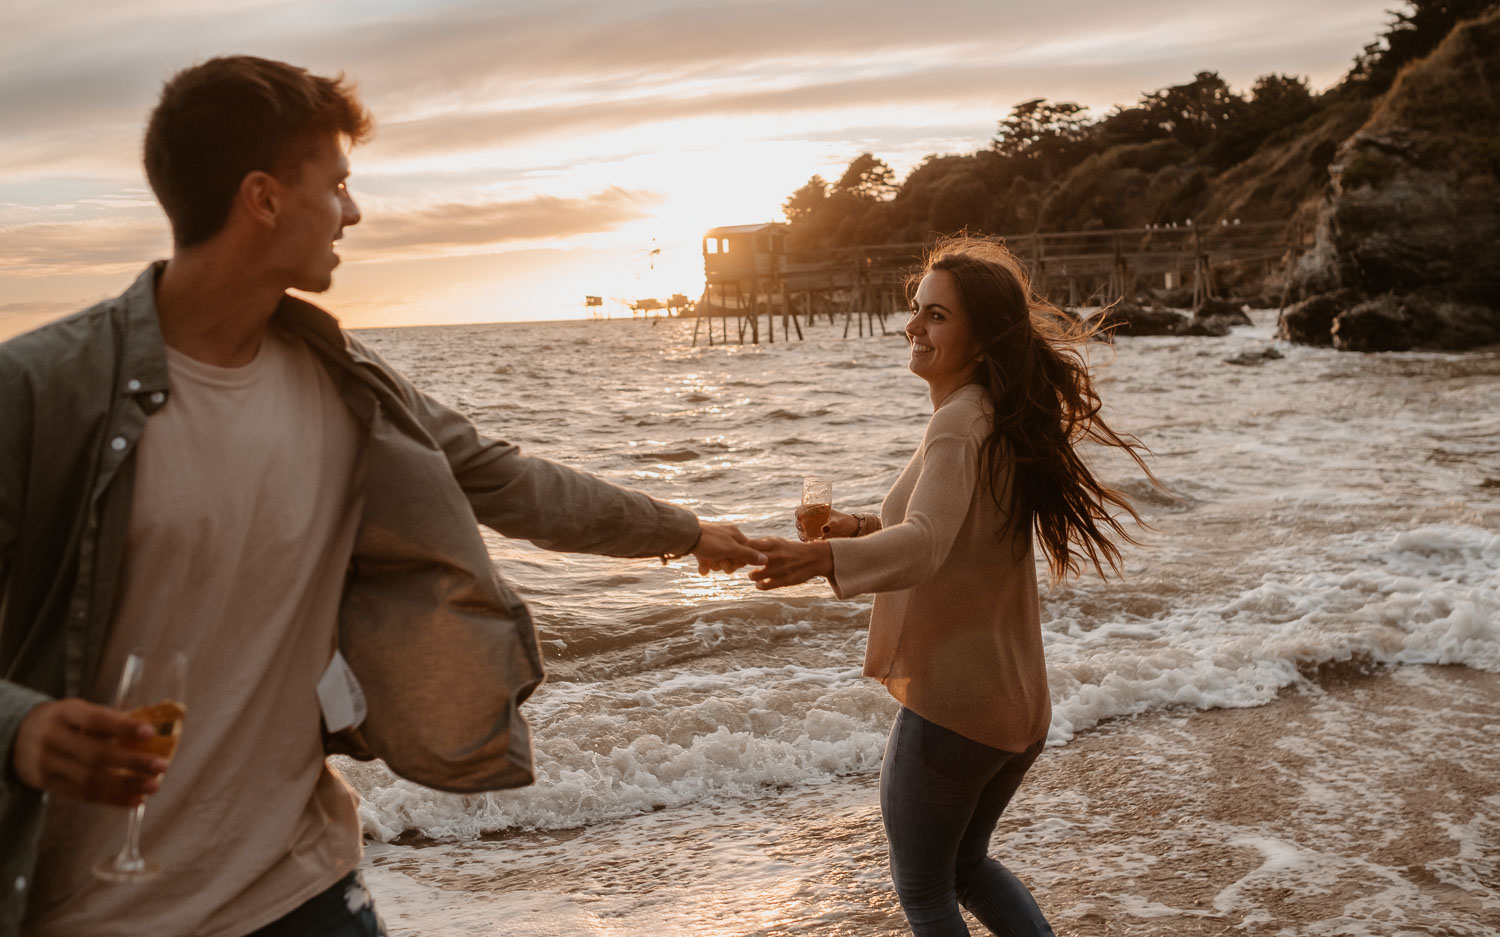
955	634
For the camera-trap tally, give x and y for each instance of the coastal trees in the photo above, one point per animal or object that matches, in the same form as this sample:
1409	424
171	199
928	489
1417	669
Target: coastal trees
1195	150
806	201
1412	33
1041	140
868	178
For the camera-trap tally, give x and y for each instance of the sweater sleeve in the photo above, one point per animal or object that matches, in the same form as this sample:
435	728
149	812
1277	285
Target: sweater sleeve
911	552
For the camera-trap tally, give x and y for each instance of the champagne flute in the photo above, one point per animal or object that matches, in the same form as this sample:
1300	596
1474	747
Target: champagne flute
816	507
152	689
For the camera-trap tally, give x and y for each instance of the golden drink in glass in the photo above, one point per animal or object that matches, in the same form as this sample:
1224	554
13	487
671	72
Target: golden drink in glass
816	507
152	688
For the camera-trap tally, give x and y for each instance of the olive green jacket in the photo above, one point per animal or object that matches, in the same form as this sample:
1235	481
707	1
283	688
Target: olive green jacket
446	653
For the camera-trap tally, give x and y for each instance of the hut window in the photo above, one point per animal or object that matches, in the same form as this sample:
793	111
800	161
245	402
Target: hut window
710	246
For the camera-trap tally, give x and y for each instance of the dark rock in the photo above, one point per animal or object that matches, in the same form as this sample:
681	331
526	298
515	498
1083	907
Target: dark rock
1179	297
1129	319
1438	320
1210	326
1223	309
1216	317
1255	358
1412	214
1379	324
1269	298
1310	322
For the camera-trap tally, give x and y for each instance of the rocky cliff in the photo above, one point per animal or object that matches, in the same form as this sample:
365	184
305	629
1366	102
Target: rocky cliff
1407	252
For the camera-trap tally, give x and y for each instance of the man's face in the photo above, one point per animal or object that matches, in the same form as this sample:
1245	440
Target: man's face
316	210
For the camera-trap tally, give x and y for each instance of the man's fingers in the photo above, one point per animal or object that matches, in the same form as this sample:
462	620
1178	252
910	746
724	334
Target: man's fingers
83	761
91	719
746	556
121	790
73	747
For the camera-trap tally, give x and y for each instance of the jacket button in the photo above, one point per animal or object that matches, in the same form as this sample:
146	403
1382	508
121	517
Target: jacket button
158	397
20	883
132	385
118	444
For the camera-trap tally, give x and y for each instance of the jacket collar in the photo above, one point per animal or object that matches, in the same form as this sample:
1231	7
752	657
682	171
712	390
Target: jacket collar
144	368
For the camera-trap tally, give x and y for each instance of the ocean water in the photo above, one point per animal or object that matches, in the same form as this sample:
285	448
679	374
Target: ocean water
1327	510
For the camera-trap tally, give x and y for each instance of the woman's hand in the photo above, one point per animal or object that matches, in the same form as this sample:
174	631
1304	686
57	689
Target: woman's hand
789	562
839	525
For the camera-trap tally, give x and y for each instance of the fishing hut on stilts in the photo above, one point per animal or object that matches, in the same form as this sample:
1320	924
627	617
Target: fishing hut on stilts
748	273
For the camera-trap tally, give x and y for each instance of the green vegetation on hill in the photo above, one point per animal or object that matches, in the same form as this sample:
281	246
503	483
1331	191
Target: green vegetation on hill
1198	150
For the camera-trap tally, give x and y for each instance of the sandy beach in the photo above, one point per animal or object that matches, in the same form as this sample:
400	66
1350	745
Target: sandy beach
1359	803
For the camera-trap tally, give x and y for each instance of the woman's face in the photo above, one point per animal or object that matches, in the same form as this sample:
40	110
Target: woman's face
944	352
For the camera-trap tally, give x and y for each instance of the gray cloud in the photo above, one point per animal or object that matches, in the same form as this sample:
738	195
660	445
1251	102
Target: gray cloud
71	70
74	247
463	224
52	248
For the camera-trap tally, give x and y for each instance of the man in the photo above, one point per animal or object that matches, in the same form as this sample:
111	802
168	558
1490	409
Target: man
209	465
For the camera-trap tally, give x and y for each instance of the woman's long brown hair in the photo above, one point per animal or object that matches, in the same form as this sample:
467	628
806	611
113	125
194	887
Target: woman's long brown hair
1036	377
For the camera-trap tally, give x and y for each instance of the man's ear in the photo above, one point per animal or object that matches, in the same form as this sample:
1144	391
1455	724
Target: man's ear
259	198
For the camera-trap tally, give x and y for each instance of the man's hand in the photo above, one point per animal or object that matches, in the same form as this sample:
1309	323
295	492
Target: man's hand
722	547
72	747
788	562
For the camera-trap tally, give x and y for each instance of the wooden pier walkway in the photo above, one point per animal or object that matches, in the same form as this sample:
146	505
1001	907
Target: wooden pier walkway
866	284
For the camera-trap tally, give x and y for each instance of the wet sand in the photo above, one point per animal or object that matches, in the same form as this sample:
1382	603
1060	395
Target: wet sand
1355	804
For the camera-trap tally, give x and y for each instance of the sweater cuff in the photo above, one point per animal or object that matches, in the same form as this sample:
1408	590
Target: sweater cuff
846	579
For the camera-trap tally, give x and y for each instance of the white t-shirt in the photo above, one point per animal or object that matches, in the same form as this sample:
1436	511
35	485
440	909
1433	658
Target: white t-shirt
244	515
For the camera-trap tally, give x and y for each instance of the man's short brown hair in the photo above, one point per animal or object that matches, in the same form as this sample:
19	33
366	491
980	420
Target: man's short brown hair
230	116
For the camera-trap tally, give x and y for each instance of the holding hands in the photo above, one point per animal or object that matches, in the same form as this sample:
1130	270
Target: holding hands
781	562
789	562
722	547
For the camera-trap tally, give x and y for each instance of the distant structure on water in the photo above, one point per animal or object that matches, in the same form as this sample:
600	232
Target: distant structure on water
749	272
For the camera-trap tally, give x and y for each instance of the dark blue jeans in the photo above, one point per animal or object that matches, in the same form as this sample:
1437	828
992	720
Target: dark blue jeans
344	910
941	795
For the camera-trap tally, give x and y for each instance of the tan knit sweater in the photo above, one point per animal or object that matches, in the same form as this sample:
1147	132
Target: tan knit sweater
955	634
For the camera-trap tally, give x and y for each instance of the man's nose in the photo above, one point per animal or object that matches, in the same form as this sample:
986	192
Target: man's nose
351	211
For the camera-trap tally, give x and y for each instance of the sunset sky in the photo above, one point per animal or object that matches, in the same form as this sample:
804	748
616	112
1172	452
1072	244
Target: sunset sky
529	153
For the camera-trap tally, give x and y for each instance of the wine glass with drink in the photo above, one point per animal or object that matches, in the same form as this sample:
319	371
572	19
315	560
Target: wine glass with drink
816	507
152	689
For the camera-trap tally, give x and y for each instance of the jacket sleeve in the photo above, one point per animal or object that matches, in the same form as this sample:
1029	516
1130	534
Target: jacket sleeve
15	441
535	499
911	552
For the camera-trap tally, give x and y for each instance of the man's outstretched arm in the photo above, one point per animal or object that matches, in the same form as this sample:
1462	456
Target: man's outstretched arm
558	507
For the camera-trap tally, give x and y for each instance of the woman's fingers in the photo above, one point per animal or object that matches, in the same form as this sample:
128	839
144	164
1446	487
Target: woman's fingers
789	563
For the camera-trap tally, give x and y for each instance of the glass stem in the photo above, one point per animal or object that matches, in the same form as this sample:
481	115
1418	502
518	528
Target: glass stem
129	858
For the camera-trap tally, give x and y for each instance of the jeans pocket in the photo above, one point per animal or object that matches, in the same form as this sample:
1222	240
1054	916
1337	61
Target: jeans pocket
956	757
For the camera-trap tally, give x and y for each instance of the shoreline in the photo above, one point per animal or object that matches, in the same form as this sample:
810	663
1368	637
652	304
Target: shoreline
1354	803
